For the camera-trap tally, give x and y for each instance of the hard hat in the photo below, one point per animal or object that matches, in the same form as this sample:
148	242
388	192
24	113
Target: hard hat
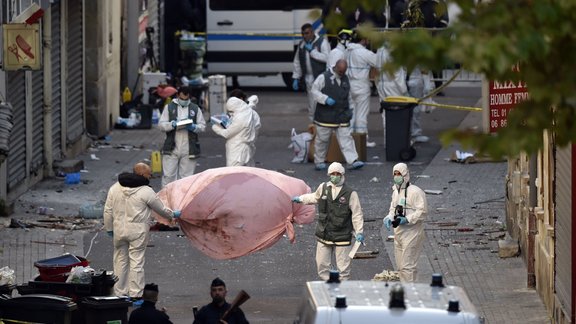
345	34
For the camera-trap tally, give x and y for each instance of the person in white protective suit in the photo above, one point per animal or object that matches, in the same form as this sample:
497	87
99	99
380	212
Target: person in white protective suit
360	61
127	219
389	84
241	131
420	84
340	215
339	52
408	224
181	147
331	92
309	62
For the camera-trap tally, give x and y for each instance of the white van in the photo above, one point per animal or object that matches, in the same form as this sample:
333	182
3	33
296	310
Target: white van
351	302
256	37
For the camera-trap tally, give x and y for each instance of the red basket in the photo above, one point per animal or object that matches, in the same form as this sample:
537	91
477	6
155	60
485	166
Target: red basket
57	269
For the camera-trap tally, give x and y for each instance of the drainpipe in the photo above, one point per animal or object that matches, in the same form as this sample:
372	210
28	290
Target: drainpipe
530	259
132	47
47	44
573	243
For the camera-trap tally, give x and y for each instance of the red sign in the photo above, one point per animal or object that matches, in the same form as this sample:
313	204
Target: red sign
503	96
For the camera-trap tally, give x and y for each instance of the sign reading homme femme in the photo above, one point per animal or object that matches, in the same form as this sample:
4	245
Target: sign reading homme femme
502	97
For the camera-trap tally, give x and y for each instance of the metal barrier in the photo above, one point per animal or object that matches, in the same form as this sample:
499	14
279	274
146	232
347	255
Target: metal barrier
464	76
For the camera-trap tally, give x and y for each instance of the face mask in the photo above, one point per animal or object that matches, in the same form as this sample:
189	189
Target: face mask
398	180
183	102
335	179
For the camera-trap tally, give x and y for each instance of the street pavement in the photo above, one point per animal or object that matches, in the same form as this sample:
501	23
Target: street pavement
464	223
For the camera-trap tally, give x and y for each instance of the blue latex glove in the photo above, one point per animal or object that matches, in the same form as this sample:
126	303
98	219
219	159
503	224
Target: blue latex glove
191	127
388	223
403	220
330	101
110	233
360	237
176	213
309	47
295	84
296	199
173	124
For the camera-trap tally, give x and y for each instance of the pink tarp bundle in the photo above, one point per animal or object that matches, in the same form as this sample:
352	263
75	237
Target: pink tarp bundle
234	211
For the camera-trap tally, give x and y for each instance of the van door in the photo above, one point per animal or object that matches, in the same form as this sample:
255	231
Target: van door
252	37
256	37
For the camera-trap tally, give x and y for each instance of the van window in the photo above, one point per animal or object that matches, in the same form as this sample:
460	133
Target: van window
252	5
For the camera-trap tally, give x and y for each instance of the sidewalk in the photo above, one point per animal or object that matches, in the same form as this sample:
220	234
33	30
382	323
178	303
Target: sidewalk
463	228
464	224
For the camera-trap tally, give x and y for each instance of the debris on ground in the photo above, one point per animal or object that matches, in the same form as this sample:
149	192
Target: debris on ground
468	158
163	228
387	275
366	254
55	222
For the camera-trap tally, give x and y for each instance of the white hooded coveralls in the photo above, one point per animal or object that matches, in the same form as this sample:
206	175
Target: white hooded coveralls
128	213
178	164
325	251
420	84
360	60
241	133
408	238
337	53
389	85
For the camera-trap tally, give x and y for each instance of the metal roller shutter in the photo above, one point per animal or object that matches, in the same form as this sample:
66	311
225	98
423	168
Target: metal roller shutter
75	69
154	21
16	95
56	61
563	249
37	158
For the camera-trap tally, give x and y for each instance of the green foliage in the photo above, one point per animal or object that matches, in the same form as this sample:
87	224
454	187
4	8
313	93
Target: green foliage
490	37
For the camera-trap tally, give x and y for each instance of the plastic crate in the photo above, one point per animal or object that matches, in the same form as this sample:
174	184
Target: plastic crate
57	269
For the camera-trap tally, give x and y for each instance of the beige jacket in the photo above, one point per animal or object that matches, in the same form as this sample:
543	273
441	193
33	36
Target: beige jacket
127	209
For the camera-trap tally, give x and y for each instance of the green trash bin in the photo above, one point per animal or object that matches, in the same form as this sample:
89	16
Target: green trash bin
38	308
105	310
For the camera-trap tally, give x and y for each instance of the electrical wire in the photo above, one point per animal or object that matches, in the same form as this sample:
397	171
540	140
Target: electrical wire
92	241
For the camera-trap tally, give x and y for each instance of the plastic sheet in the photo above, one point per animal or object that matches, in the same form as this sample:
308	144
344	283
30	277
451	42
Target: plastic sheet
234	211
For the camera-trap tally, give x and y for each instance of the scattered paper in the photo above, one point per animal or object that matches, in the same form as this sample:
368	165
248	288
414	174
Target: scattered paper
94	157
433	192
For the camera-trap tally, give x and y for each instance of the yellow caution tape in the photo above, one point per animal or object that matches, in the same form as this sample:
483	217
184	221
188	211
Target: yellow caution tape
14	321
451	106
401	99
412	100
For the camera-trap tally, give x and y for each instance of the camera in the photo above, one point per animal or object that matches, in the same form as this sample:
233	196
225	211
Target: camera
398	212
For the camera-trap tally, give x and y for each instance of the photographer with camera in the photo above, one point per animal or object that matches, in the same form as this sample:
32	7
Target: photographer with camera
408	210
